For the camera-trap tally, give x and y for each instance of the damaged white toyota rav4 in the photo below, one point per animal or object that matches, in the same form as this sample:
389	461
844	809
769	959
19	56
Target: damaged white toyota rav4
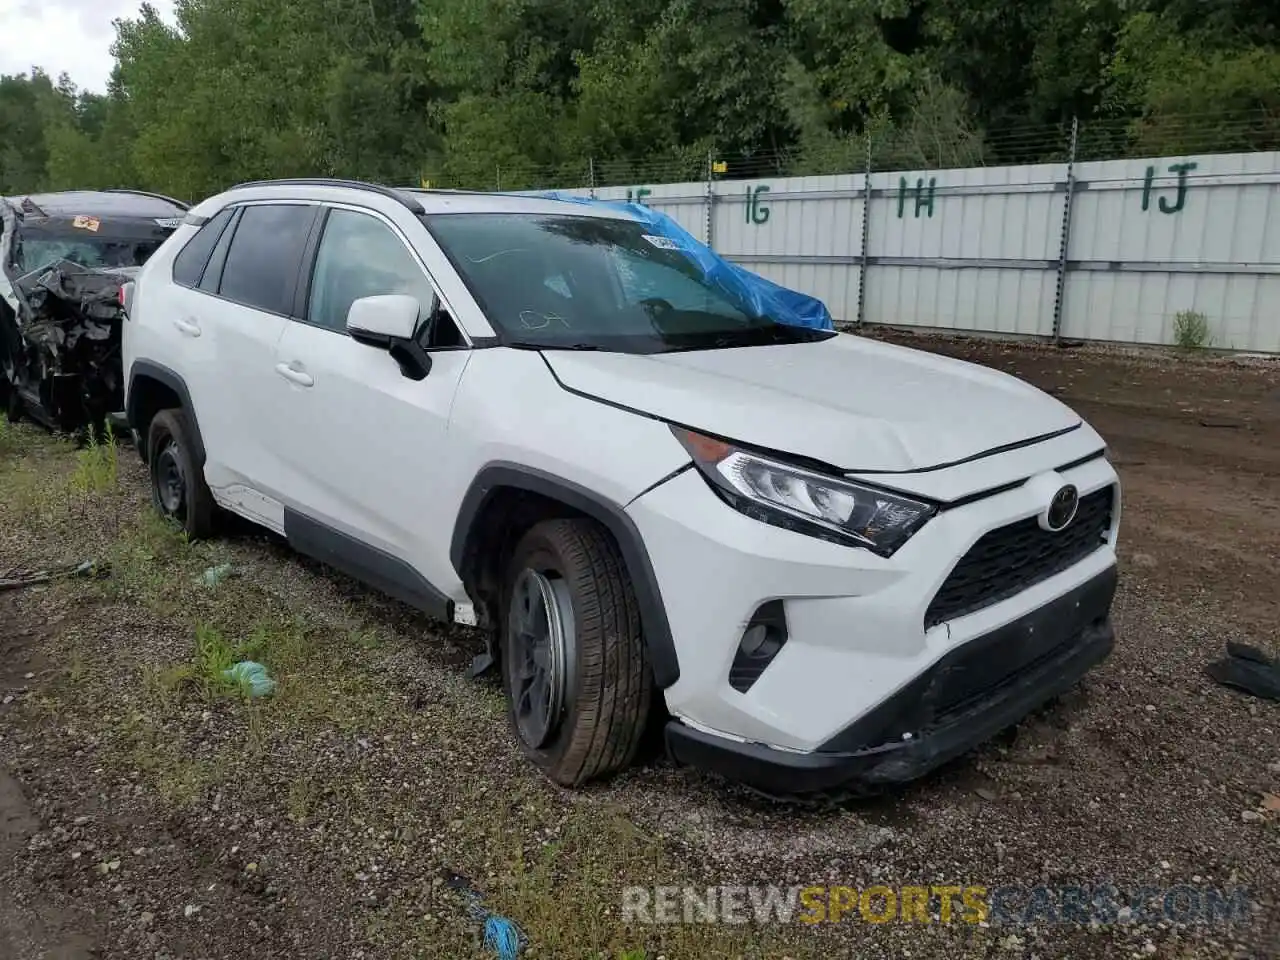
837	563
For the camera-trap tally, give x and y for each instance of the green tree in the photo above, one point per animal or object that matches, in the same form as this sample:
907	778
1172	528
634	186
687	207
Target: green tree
523	93
25	103
1184	92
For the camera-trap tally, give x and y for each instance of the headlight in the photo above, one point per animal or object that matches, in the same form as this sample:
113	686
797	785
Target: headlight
804	501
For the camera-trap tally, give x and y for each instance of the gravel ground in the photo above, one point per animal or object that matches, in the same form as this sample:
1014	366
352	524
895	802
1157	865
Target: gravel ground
146	811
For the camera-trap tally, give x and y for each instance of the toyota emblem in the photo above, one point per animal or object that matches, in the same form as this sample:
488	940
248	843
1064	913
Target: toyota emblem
1062	508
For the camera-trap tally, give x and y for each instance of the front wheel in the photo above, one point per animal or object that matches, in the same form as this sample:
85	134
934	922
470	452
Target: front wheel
178	489
576	674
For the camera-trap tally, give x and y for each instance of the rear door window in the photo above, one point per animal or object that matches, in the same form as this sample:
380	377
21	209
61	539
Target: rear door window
189	264
263	261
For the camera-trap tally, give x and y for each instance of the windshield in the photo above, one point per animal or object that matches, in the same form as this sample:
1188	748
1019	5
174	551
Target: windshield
594	283
37	248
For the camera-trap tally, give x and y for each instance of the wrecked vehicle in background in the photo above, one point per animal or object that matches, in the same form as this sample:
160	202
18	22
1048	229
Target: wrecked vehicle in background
64	259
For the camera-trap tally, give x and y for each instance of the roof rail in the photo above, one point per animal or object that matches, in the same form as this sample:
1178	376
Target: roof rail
452	190
154	196
401	198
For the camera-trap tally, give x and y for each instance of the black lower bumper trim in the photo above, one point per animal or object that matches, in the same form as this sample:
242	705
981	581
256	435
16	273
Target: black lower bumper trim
970	695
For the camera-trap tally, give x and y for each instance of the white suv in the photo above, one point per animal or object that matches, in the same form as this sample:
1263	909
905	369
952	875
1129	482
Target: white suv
841	562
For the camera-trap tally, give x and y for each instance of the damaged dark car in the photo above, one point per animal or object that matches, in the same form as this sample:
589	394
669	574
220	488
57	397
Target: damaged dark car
64	261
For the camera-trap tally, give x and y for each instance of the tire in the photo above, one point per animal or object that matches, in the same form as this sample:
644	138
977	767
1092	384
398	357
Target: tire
178	489
595	726
12	402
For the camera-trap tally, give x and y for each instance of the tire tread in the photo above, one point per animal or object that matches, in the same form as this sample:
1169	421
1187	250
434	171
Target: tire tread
615	682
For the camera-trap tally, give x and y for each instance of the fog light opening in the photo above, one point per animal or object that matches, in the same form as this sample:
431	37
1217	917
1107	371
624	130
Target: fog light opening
764	636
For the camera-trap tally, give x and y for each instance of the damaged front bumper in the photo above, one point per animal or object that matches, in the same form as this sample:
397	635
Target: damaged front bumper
61	356
988	684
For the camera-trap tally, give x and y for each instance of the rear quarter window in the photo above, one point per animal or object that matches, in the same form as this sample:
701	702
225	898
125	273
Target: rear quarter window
189	265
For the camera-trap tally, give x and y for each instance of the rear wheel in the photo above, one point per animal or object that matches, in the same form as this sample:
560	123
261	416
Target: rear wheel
576	675
9	399
12	402
178	489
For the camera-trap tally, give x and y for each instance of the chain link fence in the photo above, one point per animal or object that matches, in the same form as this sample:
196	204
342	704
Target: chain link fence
917	147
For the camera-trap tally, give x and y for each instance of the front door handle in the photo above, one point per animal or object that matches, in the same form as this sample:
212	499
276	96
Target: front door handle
294	373
187	327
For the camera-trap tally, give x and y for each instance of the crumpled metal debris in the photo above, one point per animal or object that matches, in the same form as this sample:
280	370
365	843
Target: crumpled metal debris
66	302
62	271
70	316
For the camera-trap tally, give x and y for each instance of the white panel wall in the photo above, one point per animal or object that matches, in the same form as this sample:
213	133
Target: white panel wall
1221	239
685	203
979	249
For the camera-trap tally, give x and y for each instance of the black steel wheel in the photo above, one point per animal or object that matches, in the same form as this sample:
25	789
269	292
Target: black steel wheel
576	673
178	489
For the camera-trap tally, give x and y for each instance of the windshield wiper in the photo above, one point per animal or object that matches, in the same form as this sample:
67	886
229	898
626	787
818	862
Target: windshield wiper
529	345
745	337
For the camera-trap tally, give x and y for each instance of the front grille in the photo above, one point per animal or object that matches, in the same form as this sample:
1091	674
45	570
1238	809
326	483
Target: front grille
1008	560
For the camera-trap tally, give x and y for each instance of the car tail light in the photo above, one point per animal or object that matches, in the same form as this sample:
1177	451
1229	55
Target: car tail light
126	297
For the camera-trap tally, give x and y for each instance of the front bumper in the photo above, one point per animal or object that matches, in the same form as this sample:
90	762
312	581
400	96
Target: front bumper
858	625
980	688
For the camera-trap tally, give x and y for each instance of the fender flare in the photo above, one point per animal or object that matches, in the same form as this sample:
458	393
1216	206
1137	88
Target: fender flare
161	374
498	475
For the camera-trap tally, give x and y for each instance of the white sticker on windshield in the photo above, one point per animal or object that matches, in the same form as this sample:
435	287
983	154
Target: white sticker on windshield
662	243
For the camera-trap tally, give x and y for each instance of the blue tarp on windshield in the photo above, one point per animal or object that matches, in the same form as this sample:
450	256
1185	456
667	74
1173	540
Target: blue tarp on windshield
765	297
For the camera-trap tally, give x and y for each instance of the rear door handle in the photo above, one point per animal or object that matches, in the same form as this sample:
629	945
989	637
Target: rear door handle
187	327
294	374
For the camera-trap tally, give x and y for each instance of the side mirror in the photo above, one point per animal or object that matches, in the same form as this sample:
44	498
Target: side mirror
389	321
392	315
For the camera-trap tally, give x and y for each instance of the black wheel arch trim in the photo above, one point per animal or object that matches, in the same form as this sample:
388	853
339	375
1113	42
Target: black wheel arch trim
653	614
162	374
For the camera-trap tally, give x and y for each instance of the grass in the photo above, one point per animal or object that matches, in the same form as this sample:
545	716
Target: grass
338	748
50	484
1191	330
179	777
97	464
205	673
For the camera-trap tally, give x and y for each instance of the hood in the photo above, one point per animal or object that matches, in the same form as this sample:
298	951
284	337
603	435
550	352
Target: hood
856	404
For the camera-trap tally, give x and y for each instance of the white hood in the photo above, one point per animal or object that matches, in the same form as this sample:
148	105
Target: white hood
853	403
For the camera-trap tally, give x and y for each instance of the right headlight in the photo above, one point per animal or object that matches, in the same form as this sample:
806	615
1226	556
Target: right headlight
799	499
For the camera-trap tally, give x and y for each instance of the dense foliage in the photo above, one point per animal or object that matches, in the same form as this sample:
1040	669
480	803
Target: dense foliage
514	93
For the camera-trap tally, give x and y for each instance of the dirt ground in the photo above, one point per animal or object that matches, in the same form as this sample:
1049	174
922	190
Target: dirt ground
146	812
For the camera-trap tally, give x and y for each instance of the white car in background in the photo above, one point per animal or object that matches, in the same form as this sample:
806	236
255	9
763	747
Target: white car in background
835	563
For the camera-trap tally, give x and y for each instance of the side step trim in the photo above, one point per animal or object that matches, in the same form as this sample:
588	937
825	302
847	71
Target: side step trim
366	563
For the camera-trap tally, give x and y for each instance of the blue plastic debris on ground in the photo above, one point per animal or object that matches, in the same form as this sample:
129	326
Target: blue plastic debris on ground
251	677
501	935
765	297
215	575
